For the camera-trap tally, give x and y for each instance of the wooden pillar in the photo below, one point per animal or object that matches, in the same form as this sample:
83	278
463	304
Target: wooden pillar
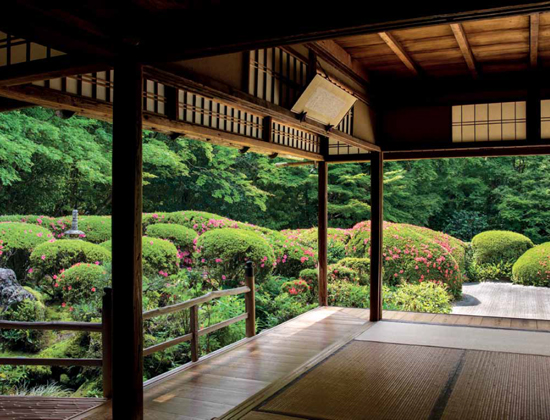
127	233
107	342
250	300
377	200
323	232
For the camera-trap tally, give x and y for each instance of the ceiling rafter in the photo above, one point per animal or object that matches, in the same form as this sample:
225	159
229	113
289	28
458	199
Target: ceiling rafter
534	24
465	48
400	52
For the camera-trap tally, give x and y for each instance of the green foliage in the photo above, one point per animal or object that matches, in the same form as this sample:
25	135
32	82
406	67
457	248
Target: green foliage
17	241
24	340
533	267
348	295
360	267
160	257
299	289
336	240
499	247
490	271
49	259
96	228
180	236
225	252
423	297
411	255
83	282
108	245
465	224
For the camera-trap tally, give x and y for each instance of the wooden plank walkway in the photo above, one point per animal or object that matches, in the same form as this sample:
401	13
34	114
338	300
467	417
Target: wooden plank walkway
37	408
252	368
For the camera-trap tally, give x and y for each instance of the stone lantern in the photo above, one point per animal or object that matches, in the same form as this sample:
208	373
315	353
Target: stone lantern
74	233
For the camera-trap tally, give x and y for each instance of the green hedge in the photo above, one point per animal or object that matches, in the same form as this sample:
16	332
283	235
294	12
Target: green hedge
96	228
83	282
359	266
57	225
17	241
225	252
533	267
496	246
423	297
182	237
160	257
49	259
409	256
336	240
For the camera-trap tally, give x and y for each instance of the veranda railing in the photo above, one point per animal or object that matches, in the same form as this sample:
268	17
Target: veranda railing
105	328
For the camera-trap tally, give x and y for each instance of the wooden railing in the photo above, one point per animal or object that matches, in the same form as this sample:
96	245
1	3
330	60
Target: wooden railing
193	305
106	337
105	328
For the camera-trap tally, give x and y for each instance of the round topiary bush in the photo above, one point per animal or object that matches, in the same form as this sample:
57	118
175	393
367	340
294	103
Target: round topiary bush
225	252
533	267
409	257
83	282
182	237
17	241
57	225
107	245
499	246
96	228
160	257
49	259
336	240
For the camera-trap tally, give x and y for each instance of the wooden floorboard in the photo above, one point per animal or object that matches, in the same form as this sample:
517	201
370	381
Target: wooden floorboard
224	381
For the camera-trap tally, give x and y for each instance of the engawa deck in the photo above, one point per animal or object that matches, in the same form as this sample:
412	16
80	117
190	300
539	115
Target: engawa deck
251	369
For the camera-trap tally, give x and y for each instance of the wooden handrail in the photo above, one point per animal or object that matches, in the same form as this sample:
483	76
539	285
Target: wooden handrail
194	302
193	305
52	326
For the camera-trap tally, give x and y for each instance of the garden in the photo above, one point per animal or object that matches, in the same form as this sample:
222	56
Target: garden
48	276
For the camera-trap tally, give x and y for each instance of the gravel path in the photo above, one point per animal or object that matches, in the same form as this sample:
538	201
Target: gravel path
505	300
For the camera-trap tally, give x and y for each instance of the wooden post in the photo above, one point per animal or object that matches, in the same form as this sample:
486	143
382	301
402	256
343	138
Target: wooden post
127	234
533	111
377	219
107	343
323	232
250	300
195	345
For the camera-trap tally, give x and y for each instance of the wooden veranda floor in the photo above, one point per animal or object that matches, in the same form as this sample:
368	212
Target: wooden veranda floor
244	374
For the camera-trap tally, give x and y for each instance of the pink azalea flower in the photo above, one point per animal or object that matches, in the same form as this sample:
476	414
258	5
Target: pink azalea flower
43	257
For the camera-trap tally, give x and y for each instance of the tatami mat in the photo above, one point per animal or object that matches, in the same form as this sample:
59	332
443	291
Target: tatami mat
495	386
487	339
371	380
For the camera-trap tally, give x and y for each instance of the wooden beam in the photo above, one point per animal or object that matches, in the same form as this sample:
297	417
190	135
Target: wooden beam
127	237
396	47
337	56
47	69
7	104
534	25
462	40
228	95
101	110
323	233
376	233
466	153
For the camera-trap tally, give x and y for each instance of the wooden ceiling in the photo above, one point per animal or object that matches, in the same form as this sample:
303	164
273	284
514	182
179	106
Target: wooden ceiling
471	48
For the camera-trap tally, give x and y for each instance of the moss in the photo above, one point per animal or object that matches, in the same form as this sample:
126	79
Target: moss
533	267
225	252
496	246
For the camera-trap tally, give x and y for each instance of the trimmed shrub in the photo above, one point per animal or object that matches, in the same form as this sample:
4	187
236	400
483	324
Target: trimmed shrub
495	246
57	225
17	241
423	297
294	259
298	288
225	252
83	282
409	256
337	240
96	228
160	257
360	266
533	267
24	340
182	237
107	245
348	295
48	259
